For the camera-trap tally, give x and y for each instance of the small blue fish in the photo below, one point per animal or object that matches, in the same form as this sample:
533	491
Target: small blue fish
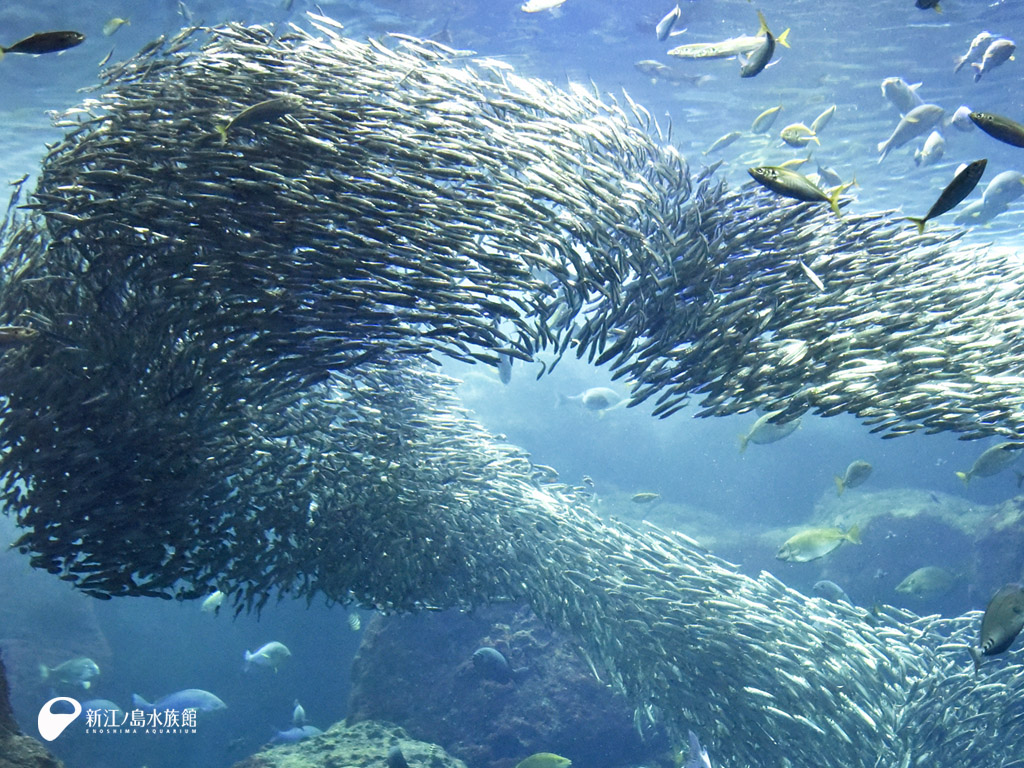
190	698
298	733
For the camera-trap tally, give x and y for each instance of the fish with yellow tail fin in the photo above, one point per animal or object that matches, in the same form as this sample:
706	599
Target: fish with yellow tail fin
963	183
812	543
993	461
788	183
1001	623
856	473
726	49
759	58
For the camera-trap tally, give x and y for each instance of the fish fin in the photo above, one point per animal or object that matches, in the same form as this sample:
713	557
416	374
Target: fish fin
44	671
920	223
975	657
965	476
86	684
743	443
783	38
915	86
937	8
978	69
2	52
853	535
840	485
958	63
833	198
816	139
222	132
764	23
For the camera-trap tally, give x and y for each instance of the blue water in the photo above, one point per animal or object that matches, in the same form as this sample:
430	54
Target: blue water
840	53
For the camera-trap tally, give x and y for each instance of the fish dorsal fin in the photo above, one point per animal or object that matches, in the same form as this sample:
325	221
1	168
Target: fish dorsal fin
764	23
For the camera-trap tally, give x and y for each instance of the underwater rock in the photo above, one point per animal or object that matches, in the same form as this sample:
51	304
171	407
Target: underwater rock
16	749
363	745
418	671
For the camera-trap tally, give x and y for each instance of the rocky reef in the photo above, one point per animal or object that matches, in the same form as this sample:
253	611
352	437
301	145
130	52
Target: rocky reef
364	745
418	671
16	749
902	529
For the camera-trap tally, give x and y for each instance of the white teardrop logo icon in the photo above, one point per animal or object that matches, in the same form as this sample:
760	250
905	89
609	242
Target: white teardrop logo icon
52	725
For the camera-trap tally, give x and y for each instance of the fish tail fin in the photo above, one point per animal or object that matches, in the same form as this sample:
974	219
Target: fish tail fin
764	23
833	198
222	133
853	535
883	147
816	140
560	400
86	684
840	485
958	63
919	221
783	39
937	8
44	672
965	476
978	69
744	440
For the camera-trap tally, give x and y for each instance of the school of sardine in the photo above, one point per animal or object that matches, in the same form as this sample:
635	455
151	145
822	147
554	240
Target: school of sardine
226	381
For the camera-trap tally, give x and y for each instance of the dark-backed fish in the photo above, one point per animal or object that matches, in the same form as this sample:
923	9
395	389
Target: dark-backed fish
45	42
664	28
757	60
999	127
961	186
1001	623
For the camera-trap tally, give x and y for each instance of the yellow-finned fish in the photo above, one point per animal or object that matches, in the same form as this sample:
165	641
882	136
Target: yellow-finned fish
993	461
113	25
812	543
963	183
856	473
726	49
798	135
787	183
763	122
